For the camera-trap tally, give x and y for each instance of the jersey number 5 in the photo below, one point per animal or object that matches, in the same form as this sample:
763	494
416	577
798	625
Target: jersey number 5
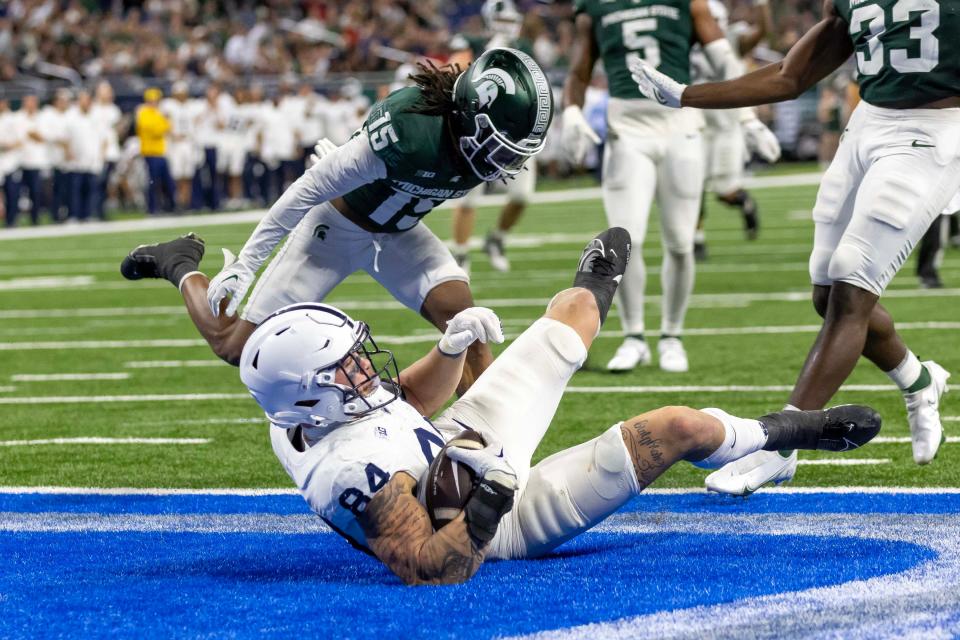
870	62
381	132
637	38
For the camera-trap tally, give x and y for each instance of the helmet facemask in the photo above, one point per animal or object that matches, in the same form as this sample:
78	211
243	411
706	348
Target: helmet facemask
354	382
492	155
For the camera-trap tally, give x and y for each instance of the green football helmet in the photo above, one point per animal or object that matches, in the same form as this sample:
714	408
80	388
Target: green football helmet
503	108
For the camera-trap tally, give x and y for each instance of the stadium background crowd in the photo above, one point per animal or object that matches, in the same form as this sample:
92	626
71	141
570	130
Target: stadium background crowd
220	102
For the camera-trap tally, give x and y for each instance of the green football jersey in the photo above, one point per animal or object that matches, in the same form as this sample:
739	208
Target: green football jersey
908	51
658	31
424	167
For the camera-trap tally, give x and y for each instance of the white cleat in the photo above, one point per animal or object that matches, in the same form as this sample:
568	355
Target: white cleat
673	357
493	247
744	476
631	353
923	414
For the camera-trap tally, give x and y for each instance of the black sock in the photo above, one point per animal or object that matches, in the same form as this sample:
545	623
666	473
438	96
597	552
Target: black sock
602	288
176	272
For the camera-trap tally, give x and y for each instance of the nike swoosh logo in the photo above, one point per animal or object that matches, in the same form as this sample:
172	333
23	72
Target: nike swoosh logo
659	96
233	277
917	143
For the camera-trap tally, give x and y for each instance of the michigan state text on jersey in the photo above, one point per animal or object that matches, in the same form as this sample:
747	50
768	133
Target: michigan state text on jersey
358	208
897	166
650	150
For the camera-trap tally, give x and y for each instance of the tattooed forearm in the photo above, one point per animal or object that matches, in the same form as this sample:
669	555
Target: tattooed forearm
399	533
646	452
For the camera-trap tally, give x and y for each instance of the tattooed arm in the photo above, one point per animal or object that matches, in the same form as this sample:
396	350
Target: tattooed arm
399	533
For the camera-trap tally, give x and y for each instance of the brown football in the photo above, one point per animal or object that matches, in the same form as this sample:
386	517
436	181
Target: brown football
448	484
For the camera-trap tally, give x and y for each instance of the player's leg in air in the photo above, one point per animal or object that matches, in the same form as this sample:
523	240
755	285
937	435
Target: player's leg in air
516	398
873	207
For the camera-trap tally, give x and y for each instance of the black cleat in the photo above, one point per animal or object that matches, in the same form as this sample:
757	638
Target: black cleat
700	251
842	428
170	260
602	264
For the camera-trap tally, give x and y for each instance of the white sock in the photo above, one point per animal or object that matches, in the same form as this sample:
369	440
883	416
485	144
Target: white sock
743	437
461	249
790	407
907	372
676	281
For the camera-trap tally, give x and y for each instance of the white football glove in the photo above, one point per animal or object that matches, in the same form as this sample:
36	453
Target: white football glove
655	85
322	148
487	463
468	326
576	134
761	140
233	280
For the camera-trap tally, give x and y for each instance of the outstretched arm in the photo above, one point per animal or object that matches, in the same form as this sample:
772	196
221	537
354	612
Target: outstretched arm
761	26
818	53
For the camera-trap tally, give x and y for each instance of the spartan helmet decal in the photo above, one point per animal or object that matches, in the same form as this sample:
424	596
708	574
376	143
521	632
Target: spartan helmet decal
503	108
488	83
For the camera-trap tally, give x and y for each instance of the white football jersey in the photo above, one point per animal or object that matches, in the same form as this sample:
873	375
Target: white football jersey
340	472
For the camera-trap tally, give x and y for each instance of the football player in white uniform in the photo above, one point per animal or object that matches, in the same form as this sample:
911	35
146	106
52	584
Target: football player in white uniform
360	206
503	22
356	437
723	136
897	167
183	153
650	151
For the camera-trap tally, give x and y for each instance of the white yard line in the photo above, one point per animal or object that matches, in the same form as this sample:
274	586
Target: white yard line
61	377
53	282
720	388
94	440
173	364
906	439
845	462
425	338
254	491
158	397
7	389
219	219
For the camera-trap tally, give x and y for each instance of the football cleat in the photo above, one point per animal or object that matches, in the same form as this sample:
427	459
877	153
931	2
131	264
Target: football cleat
700	253
672	355
601	266
923	414
493	247
744	476
631	353
170	260
842	428
463	261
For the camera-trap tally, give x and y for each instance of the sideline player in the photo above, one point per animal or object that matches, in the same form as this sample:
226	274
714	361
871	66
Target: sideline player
503	23
897	167
359	207
352	434
650	150
723	137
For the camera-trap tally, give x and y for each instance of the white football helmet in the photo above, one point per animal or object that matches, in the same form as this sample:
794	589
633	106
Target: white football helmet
291	361
502	18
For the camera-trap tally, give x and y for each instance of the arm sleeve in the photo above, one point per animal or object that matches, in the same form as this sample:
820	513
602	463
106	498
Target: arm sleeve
726	66
350	166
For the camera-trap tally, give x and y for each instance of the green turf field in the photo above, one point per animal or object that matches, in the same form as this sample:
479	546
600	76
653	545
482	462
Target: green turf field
64	309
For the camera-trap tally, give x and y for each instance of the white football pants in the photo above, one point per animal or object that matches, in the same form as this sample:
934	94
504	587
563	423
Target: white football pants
654	151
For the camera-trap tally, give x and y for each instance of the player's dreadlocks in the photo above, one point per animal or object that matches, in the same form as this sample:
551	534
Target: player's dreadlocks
436	88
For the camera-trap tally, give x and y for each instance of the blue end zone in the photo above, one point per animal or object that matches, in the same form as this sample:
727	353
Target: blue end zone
252	584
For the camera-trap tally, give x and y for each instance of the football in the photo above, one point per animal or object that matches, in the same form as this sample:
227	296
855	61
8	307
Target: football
448	484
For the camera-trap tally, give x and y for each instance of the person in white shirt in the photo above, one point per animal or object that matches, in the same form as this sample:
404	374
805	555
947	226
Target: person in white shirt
182	151
9	145
86	146
210	124
256	177
54	120
278	146
108	115
34	159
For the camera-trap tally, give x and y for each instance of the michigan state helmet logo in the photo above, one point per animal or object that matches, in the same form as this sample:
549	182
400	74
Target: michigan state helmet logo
503	107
